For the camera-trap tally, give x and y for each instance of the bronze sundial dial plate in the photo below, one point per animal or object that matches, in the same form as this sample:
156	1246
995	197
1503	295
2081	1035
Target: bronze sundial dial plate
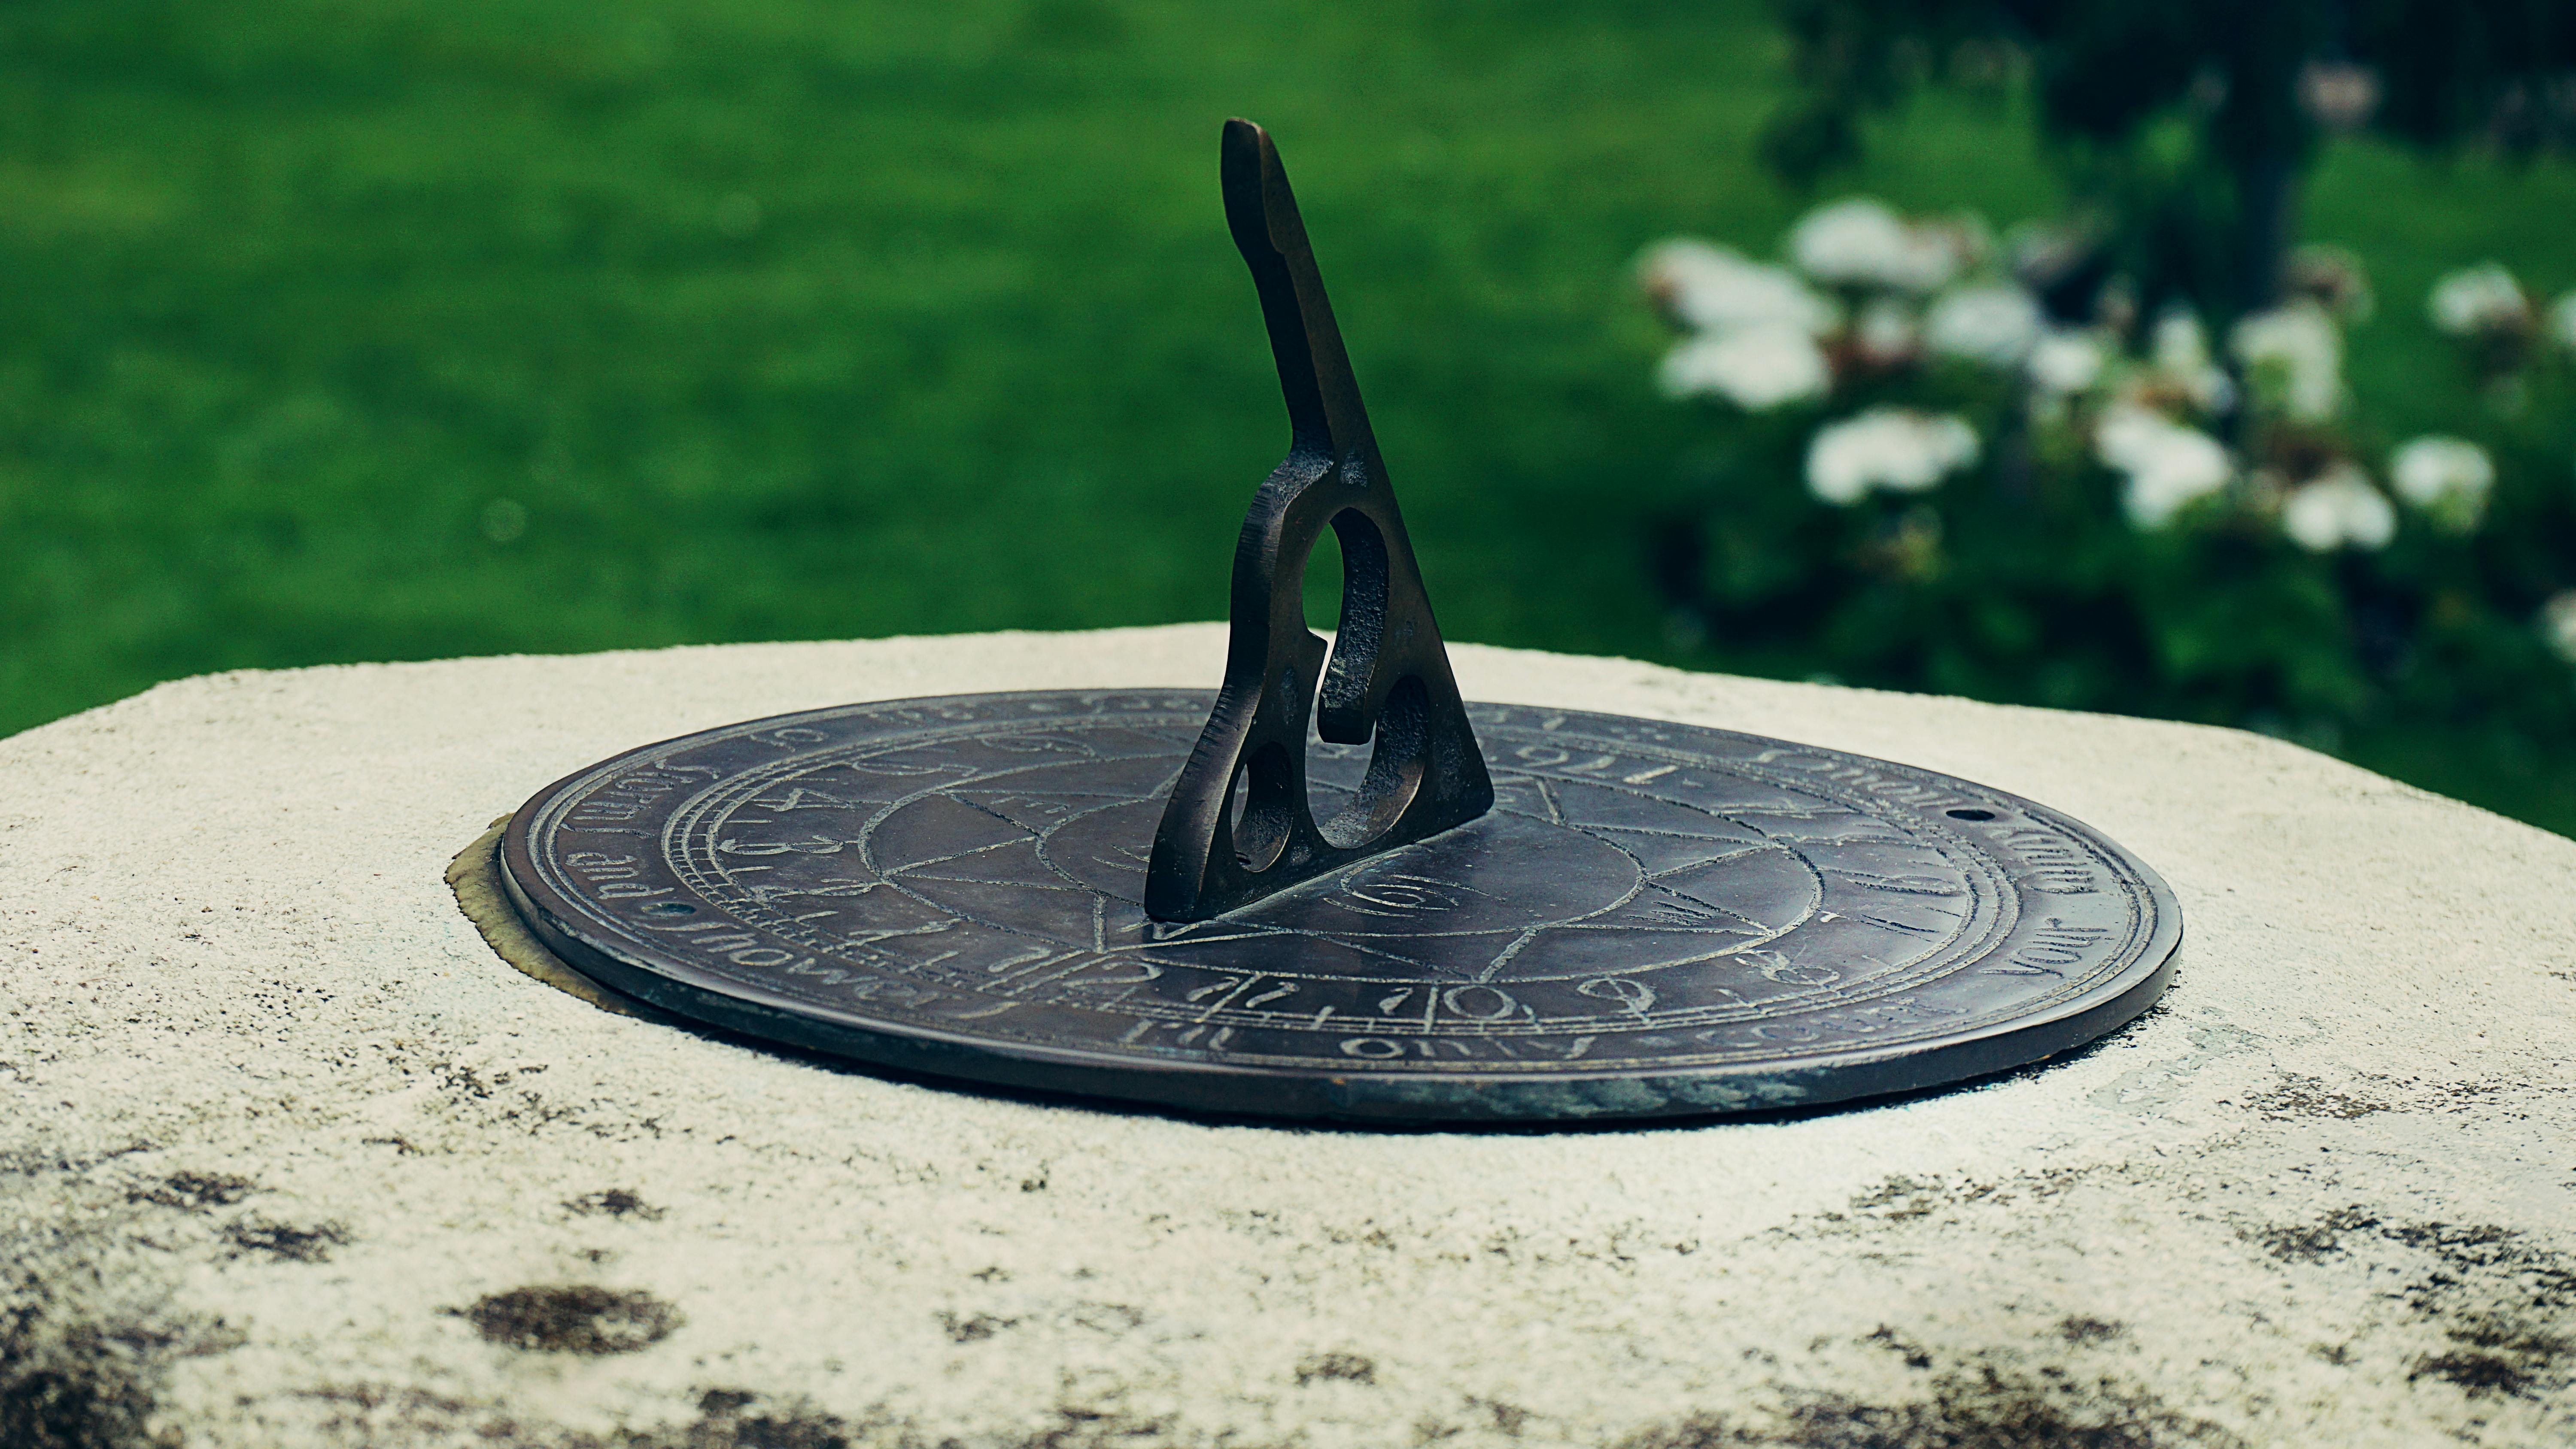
1652	919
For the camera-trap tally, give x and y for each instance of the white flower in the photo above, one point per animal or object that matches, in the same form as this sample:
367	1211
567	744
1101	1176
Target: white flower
2336	509
1755	368
2180	345
2446	477
2562	321
1885	332
1859	242
1897	449
2180	360
1996	323
1710	287
2558	625
2298	344
2168	464
2064	360
2339	94
2478	299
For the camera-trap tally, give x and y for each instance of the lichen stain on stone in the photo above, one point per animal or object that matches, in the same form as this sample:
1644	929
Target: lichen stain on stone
194	1192
2501	1300
2311	1242
2295	1096
727	1418
1902	1200
1984	1408
974	1328
2082	1330
572	1318
615	1202
1337	1365
739	1419
69	1390
280	1240
90	1385
2499	1357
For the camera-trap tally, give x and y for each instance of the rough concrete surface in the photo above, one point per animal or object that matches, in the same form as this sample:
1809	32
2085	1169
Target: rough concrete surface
289	1157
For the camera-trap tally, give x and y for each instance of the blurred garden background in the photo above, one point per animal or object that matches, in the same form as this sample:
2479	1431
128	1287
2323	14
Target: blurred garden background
337	331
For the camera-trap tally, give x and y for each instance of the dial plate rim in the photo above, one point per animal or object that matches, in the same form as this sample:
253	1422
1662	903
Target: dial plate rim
1430	1093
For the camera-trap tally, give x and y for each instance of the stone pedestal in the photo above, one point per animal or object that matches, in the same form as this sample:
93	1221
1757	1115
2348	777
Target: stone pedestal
291	1157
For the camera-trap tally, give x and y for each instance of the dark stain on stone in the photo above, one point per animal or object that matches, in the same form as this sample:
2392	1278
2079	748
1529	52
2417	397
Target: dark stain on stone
1511	1420
615	1202
741	1419
68	1390
2296	1096
2083	1330
2500	1298
1337	1365
377	1413
2477	1372
2312	1242
572	1318
74	1383
1109	1318
2508	1263
296	1245
2499	1355
195	1192
1984	1409
1916	1355
1085	1427
1901	1198
975	1328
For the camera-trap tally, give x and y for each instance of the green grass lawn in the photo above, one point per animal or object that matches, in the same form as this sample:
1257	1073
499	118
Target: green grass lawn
338	331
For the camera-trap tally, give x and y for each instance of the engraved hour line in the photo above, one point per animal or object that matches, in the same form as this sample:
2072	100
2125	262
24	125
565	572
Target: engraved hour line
1229	990
1073	963
1644	776
1883	921
1727	859
1495	966
1547	797
938	859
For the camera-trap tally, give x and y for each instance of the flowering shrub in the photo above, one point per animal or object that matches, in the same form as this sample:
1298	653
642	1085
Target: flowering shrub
1934	468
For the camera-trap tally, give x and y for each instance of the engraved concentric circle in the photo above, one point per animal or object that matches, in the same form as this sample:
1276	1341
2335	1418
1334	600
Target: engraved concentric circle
1655	918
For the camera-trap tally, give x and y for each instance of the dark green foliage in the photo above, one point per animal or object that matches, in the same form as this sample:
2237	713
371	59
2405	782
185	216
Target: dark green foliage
2193	122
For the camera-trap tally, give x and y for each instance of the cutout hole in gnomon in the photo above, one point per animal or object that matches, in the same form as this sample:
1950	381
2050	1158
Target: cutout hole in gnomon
1260	807
1398	755
1324	583
1970	814
1355	551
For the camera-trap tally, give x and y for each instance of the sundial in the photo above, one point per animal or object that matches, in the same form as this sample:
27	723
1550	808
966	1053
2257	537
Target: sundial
1330	888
